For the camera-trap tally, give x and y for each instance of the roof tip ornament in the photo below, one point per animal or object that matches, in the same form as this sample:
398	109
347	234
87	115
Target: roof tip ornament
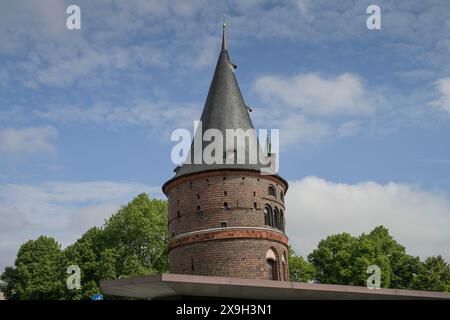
224	34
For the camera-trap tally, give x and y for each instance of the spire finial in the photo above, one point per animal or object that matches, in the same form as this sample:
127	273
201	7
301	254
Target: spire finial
224	34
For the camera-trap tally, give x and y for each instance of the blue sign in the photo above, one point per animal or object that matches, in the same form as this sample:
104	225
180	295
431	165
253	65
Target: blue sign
97	296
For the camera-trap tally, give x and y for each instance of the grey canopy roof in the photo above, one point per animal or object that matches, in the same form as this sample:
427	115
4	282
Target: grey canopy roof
224	109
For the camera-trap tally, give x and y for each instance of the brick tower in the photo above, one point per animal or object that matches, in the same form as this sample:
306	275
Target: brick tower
226	219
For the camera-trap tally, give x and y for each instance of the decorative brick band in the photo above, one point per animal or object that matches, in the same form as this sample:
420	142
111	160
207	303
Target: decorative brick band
229	233
221	172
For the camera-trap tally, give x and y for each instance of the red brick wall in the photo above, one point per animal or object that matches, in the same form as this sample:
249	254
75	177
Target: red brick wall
207	192
197	203
238	258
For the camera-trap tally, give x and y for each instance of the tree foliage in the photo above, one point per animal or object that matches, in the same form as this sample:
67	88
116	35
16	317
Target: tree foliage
37	273
138	233
132	242
86	253
300	270
343	259
434	275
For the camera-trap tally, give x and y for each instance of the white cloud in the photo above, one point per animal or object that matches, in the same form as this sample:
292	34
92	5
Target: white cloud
349	128
93	215
314	94
309	104
12	219
158	116
443	103
63	210
56	56
295	129
186	26
418	219
15	143
13	114
206	52
60	57
299	130
66	67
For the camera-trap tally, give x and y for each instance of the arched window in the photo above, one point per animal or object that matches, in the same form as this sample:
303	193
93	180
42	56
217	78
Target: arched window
267	215
271	265
282	195
272	191
282	220
271	269
276	218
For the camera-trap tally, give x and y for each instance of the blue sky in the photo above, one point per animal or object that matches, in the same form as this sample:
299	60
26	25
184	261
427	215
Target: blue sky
364	115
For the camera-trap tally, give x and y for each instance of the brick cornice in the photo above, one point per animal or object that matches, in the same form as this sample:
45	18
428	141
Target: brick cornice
222	172
228	233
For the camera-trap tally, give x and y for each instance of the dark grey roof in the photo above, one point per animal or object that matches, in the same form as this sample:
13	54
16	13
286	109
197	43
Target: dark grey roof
224	109
170	286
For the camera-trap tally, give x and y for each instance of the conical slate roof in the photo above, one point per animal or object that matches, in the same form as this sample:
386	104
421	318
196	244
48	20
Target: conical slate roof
224	109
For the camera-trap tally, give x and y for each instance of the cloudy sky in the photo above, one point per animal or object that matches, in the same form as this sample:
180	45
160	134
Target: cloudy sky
364	115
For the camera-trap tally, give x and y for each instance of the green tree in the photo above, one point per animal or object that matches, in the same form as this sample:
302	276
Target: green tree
86	253
138	235
343	259
37	271
434	275
10	276
333	259
399	269
132	242
300	270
